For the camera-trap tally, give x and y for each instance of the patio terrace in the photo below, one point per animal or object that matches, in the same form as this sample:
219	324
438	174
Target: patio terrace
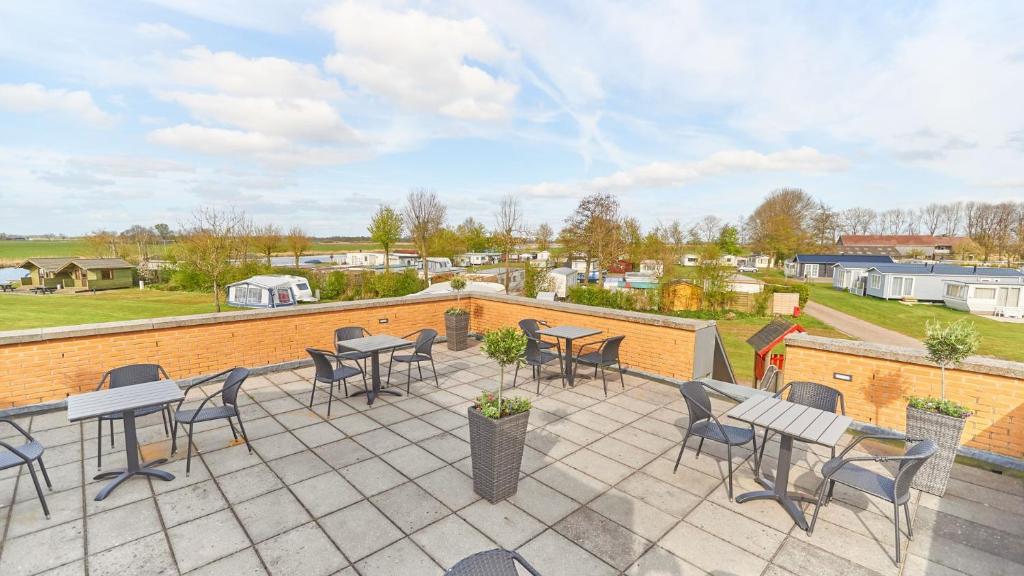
387	490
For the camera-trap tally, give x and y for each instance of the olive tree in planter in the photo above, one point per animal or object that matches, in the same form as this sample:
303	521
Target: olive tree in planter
456	318
937	418
497	426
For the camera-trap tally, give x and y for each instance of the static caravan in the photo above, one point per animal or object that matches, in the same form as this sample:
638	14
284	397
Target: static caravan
515	281
652	267
999	296
690	260
365	259
850	276
478	258
927	282
820	267
562	279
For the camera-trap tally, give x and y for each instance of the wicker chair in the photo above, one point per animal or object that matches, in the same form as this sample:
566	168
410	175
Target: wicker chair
895	489
129	376
23	455
422	351
769	382
813	395
331	374
705	425
351	333
607	354
536	357
497	562
207	412
531	328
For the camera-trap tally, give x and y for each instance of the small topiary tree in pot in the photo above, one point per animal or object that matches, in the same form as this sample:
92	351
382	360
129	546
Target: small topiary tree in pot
940	419
456	318
497	426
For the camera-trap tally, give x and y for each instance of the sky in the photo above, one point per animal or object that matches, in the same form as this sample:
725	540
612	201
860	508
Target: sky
312	113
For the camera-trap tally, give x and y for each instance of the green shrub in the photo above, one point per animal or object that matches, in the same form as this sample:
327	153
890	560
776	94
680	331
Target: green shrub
489	404
594	296
940	406
506	346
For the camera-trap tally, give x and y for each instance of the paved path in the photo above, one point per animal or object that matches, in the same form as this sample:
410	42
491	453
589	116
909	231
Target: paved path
860	329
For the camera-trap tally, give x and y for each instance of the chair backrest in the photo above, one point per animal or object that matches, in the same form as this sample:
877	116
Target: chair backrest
348	333
814	395
610	349
232	384
532	349
770	380
919	453
134	374
697	401
530	327
322	364
497	562
425	341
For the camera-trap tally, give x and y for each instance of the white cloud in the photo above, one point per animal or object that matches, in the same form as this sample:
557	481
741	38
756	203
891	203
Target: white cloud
291	118
676	174
237	75
160	31
215	140
38	98
419	61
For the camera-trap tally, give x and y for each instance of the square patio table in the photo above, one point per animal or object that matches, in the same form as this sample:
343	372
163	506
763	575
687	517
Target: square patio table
126	400
375	345
792	422
569	333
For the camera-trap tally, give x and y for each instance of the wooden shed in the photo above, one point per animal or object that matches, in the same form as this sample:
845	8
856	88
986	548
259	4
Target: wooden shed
682	295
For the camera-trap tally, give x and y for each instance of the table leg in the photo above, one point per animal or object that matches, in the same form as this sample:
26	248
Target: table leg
375	389
569	377
778	490
131	447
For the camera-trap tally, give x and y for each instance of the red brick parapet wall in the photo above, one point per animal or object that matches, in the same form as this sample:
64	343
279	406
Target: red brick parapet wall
45	365
881	377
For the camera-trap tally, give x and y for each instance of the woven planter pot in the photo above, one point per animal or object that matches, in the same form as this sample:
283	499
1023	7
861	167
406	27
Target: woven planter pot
496	447
945	431
456	330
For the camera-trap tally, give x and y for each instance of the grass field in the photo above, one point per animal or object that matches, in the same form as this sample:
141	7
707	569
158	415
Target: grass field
20	311
999	339
15	251
335	247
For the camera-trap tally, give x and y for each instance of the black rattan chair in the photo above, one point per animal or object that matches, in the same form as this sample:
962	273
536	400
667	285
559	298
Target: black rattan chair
331	374
536	357
351	333
606	355
497	562
208	412
422	351
894	489
813	395
769	381
25	454
531	328
705	425
128	376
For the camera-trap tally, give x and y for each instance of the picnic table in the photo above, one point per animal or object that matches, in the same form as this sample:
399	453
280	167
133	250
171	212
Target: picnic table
126	400
43	289
6	287
792	422
568	333
375	345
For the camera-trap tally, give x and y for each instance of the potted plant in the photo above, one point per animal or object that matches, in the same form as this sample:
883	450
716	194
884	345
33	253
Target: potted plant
497	426
456	318
937	418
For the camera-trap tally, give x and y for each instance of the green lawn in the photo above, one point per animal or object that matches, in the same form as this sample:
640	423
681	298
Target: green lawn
14	251
336	247
19	311
999	339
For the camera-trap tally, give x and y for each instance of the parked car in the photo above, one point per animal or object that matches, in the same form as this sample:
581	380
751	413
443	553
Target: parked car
746	268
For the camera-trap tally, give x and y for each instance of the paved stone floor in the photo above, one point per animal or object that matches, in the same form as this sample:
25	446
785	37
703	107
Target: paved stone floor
387	491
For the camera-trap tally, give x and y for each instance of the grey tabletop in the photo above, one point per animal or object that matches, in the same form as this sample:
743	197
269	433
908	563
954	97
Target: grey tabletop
796	420
93	404
374	343
567	331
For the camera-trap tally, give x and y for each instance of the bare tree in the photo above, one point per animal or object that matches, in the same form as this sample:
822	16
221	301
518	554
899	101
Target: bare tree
824	225
543	236
952	218
424	216
508	230
297	243
208	243
913	221
593	230
141	237
386	229
267	240
706	229
858	221
930	217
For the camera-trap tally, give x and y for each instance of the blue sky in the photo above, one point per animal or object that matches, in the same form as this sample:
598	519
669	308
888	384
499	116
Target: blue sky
312	113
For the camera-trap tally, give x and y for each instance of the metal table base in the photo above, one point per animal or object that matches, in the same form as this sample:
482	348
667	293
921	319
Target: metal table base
134	466
778	490
376	390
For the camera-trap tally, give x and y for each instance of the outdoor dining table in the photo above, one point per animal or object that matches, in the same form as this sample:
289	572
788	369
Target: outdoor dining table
126	400
375	345
568	333
792	422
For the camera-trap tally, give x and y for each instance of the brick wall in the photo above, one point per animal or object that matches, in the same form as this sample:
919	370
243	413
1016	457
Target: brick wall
883	376
48	364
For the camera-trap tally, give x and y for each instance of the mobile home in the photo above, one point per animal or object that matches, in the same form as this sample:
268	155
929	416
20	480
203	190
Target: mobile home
562	279
927	282
819	267
1000	296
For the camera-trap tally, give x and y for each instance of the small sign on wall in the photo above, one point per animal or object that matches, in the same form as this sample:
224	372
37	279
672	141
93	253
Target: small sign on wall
843	377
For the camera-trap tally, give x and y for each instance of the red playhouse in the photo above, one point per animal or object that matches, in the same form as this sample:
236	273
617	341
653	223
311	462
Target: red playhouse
767	338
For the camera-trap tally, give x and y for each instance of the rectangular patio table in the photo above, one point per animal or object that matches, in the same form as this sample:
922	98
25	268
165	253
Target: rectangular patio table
568	333
375	345
126	400
792	422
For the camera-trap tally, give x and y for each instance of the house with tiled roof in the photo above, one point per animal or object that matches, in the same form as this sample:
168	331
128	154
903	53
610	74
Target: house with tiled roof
936	247
79	273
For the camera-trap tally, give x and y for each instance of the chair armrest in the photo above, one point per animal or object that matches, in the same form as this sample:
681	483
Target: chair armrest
859	439
783	389
594	343
103	380
522	562
14	450
201	382
842	403
18	428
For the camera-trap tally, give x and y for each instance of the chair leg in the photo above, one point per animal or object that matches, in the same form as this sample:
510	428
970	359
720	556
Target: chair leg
728	452
234	434
391	362
757	459
621	379
99	444
344	382
408	379
896	524
604	381
312	392
515	375
537	378
244	435
111	433
46	477
174	437
39	489
419	370
699	446
821	497
760	457
330	401
906	510
188	451
433	368
163	416
681	448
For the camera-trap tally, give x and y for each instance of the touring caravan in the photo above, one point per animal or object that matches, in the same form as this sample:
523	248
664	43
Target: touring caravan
270	291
